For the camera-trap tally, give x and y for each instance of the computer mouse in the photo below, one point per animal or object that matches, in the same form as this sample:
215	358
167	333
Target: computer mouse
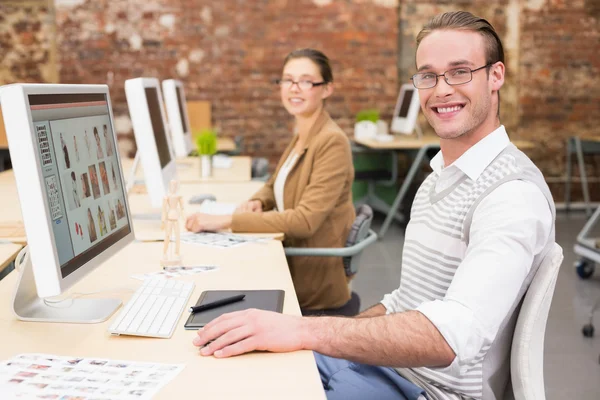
199	198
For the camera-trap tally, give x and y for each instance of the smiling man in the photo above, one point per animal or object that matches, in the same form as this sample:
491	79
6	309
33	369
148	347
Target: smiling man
480	226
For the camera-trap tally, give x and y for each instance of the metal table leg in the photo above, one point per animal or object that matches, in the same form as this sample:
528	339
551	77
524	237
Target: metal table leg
584	182
569	174
416	164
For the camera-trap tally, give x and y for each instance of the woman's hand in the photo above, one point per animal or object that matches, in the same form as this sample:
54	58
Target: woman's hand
205	222
250	206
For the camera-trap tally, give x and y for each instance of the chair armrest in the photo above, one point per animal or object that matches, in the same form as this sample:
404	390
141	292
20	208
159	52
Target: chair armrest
333	251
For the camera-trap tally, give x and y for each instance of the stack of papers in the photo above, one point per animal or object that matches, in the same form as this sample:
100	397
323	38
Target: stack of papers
223	240
176	271
221	161
45	376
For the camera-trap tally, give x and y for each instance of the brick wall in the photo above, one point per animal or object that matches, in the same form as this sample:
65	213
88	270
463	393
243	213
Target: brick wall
552	88
229	51
27	42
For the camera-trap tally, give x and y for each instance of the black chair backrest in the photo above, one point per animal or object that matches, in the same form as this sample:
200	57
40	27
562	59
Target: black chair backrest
358	231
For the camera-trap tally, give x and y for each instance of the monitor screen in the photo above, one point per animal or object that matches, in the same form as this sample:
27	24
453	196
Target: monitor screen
181	104
81	175
405	105
160	134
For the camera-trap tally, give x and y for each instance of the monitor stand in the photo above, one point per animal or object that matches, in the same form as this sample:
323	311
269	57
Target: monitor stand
131	181
27	306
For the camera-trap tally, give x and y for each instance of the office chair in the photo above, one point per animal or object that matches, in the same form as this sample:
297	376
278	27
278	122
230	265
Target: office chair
527	353
260	169
359	238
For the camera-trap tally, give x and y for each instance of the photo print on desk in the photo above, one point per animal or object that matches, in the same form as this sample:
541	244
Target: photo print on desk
104	178
56	377
94	181
222	240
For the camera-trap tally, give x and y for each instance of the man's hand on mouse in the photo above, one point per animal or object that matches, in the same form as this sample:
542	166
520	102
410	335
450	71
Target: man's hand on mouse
249	330
200	222
249	206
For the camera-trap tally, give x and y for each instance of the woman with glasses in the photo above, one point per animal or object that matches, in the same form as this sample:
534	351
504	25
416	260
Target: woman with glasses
308	198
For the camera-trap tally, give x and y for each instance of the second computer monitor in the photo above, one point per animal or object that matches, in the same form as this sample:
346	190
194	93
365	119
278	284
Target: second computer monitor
406	111
144	100
178	118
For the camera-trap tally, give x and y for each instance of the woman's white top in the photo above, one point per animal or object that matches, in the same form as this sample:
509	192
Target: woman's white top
281	178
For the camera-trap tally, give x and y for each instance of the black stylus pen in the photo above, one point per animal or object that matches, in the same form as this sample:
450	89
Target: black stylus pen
217	303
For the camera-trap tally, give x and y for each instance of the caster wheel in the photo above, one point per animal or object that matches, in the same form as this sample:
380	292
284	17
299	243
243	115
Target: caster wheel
588	330
585	269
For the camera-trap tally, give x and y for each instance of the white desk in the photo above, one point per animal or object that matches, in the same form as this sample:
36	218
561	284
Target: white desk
188	170
8	253
416	149
256	375
11	221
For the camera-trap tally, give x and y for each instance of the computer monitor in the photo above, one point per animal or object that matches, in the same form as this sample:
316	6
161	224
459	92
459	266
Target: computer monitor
154	148
406	111
178	118
70	184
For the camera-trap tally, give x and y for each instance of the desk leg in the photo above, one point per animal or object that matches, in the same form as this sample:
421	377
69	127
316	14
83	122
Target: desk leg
416	164
584	182
569	175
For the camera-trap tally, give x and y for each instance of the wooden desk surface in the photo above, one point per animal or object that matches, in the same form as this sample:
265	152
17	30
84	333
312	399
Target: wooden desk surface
224	192
11	221
188	170
256	375
8	252
146	230
399	143
412	143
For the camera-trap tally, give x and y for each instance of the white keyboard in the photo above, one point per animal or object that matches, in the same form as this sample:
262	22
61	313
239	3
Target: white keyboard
154	309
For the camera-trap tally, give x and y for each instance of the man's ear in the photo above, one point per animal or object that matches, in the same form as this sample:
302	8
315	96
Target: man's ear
497	71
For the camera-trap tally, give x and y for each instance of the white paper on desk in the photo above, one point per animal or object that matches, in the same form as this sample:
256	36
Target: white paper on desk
217	208
155	274
45	376
175	272
222	240
221	161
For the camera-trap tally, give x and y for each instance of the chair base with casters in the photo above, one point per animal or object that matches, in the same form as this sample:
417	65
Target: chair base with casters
359	238
589	249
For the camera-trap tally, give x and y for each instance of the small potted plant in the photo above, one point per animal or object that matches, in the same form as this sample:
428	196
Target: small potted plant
206	143
366	124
